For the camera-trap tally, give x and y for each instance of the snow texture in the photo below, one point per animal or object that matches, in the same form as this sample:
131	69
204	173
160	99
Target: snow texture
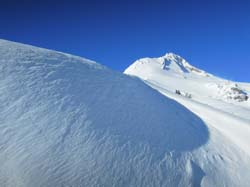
223	106
68	121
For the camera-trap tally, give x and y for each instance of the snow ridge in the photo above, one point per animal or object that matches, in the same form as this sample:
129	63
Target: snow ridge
67	121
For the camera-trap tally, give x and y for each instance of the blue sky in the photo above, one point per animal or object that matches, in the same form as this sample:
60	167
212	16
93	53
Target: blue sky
212	35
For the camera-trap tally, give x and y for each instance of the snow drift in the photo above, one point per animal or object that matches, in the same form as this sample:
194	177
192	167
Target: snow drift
68	121
223	106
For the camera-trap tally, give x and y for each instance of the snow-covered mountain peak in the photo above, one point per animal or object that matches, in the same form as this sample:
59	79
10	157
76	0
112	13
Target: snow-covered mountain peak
169	62
174	57
181	65
175	73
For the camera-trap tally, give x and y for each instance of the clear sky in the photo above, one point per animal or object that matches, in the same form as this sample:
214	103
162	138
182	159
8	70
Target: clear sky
211	34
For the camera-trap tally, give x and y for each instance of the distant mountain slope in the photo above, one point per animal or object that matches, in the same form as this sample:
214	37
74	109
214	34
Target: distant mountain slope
175	74
223	105
68	121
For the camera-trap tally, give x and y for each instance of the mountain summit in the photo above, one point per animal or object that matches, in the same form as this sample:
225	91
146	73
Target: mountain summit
170	62
176	62
175	73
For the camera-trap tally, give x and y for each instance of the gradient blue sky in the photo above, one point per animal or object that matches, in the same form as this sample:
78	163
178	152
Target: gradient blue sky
212	35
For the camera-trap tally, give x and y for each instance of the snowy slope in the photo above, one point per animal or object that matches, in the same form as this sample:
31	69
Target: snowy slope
174	73
223	106
68	121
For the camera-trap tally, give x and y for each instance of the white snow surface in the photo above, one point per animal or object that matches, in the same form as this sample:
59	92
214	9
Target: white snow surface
218	102
68	121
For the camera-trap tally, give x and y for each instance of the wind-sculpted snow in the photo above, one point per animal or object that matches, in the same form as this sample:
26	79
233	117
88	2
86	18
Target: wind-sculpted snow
224	107
67	121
